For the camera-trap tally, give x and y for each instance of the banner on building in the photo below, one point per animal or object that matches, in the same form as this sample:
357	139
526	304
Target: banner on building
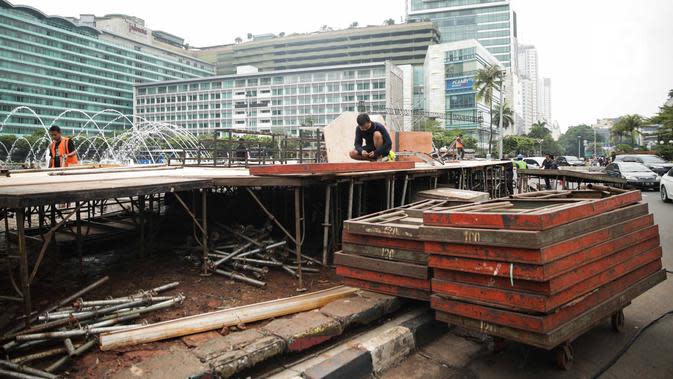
459	84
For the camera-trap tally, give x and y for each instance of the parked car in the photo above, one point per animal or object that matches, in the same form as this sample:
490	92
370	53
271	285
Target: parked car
653	162
568	160
666	187
636	174
534	162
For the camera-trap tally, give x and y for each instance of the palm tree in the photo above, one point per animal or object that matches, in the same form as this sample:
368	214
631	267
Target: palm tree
281	34
539	124
670	94
238	40
353	25
389	21
249	35
325	28
629	124
507	116
487	80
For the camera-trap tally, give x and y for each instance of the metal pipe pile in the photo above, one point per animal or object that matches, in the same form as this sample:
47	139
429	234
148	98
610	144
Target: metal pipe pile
73	326
247	254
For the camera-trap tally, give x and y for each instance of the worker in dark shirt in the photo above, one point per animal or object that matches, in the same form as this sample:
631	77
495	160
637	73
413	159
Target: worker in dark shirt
62	150
377	140
548	164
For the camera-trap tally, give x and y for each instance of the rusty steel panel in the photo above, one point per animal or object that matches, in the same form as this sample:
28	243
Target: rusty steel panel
387	289
624	290
328	168
386	253
545	271
549	215
542	255
553	285
540	303
378	277
393	243
566	332
388	267
525	238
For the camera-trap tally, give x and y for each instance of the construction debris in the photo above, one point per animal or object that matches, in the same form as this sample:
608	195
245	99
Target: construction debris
73	326
224	318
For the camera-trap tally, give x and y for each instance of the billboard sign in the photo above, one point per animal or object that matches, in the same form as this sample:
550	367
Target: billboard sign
459	84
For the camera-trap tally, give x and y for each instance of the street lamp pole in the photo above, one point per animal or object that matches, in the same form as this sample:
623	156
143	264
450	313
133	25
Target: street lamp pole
502	89
579	150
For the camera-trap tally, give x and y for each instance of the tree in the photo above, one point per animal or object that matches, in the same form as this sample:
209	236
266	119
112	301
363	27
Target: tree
539	130
670	94
628	124
514	145
249	35
486	81
238	40
353	25
281	34
325	28
389	21
664	118
507	116
569	140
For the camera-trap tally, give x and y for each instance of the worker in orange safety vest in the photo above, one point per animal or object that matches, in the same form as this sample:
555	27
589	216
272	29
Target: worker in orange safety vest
62	152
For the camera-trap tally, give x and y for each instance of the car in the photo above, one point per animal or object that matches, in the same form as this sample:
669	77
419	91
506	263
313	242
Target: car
666	186
568	160
636	174
534	162
653	162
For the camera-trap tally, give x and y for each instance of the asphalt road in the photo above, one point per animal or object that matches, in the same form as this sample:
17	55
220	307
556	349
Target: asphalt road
651	356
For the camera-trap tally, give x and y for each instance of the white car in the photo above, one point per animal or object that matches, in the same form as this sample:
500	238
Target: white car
534	162
666	187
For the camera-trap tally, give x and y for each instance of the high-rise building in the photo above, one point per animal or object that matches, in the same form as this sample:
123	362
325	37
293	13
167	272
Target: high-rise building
450	69
54	64
544	100
528	79
491	22
281	100
400	44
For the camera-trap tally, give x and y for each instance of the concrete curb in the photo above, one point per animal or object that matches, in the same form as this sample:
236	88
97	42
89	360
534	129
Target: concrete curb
372	352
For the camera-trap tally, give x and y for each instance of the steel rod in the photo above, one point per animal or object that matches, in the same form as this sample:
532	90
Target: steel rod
204	231
19	375
72	333
79	351
270	215
351	184
326	225
235	276
23	255
79	293
27	370
298	236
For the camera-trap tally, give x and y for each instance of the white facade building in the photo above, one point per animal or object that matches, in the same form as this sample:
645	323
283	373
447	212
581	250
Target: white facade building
544	100
528	72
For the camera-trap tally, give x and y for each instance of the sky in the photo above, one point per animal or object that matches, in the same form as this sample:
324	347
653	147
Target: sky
606	58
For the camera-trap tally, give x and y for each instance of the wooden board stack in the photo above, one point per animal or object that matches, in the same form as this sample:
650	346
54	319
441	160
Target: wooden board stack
538	270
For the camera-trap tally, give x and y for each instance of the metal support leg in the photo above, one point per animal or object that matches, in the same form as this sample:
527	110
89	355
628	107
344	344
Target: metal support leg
141	217
404	189
297	233
435	183
392	192
23	256
204	230
387	192
78	223
350	199
326	225
359	199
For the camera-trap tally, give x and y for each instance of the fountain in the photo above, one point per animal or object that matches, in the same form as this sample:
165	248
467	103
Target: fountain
141	142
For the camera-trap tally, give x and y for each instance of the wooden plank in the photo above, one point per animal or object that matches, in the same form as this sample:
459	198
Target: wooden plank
524	238
627	288
386	253
522	301
547	271
548	341
328	168
554	285
378	277
387	289
393	243
542	255
379	265
499	218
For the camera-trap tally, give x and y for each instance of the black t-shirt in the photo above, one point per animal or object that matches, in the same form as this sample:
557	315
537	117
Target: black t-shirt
368	136
71	148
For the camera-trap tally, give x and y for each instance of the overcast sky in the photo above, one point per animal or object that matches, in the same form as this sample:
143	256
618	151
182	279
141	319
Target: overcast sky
606	58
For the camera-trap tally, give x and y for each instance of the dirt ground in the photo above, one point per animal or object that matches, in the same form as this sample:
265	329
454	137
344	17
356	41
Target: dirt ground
60	276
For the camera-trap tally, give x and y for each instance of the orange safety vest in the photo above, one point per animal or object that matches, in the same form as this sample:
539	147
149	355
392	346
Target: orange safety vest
62	150
459	143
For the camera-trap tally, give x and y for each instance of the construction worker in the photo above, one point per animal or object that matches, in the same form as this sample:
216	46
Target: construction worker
378	144
459	147
62	150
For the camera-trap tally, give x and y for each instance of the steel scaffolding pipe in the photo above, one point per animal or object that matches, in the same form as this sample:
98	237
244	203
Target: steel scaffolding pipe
239	277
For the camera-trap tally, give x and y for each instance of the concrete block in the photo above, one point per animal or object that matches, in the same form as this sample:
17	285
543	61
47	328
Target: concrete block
222	344
354	310
389	347
304	330
351	363
425	328
198	339
234	361
390	303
